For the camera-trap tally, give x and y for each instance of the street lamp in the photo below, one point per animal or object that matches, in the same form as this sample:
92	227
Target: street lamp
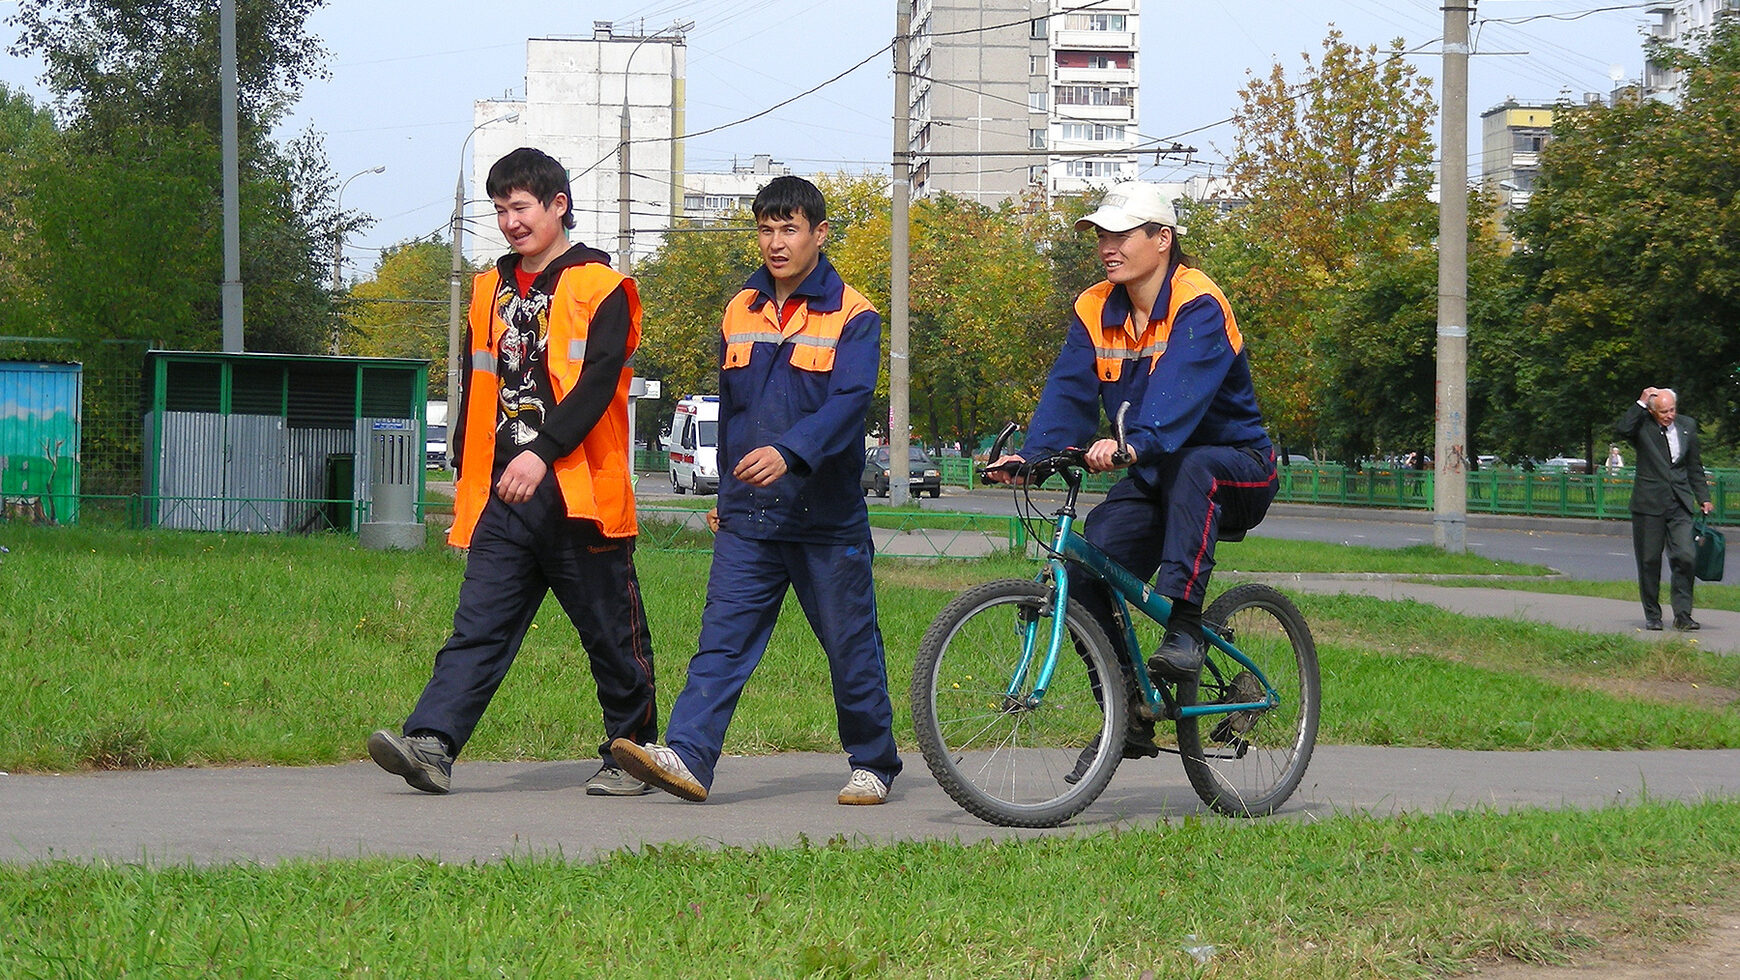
338	243
453	282
624	261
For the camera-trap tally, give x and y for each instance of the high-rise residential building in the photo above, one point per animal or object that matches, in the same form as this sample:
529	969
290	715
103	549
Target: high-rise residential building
1511	138
1009	95
578	90
1681	24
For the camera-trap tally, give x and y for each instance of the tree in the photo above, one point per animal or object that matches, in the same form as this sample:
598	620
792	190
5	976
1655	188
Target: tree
1335	169
403	310
1631	244
27	132
139	155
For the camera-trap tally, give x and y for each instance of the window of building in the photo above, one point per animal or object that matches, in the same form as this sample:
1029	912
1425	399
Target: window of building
1091	168
1038	28
1035	64
1036	101
1095	95
1095	22
1091	131
1036	174
1036	139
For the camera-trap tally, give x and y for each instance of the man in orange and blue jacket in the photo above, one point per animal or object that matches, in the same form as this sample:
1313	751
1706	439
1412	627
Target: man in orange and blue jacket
1158	335
799	353
545	496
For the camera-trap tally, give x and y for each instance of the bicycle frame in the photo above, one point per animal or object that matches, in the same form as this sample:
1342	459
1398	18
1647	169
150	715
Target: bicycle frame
1128	593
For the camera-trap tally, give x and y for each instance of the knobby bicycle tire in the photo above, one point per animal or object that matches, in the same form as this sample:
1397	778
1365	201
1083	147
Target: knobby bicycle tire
1247	763
1004	758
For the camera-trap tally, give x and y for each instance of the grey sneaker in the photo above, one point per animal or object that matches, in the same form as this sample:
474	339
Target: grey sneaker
611	781
421	759
660	766
865	788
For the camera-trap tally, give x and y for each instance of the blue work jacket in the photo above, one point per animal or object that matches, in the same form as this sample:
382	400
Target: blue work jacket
1185	375
804	388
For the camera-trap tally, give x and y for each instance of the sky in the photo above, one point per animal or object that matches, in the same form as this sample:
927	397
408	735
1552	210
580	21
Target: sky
404	75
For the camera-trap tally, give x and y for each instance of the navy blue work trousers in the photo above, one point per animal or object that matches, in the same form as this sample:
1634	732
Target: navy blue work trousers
745	588
1171	527
518	553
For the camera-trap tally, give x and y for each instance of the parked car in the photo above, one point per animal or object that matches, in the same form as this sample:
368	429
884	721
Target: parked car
1566	464
923	472
694	445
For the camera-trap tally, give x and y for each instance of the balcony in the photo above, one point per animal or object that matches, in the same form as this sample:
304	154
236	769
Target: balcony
1094	40
1094	76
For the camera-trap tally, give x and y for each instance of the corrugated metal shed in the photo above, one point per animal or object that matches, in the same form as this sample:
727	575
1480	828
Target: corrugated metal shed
40	405
269	442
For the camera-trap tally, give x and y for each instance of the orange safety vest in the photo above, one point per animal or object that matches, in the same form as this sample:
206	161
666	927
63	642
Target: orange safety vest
1117	343
596	479
814	335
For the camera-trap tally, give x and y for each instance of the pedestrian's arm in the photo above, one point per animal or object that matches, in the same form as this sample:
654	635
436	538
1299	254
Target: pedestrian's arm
1631	422
571	419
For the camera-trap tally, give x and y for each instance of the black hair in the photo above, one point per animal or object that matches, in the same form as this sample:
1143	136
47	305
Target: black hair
535	172
1179	255
784	197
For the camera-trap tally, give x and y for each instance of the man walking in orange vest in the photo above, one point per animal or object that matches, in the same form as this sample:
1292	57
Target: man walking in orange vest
544	498
799	352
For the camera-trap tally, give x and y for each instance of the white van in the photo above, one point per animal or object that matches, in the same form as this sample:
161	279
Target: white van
694	445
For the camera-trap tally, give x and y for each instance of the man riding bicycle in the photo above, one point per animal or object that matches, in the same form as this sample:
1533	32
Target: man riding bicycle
1159	335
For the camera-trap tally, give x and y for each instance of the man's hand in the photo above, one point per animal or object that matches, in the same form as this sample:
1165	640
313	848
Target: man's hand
1709	505
713	520
1099	456
760	467
1002	476
521	478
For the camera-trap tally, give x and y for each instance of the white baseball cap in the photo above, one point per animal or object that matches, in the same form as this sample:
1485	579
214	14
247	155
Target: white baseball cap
1130	205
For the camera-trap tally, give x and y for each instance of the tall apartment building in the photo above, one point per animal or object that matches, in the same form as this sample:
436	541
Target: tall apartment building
1511	138
577	90
1678	25
1013	94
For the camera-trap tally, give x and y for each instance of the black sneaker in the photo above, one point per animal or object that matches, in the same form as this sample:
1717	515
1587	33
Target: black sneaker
1686	623
1652	623
1179	657
421	759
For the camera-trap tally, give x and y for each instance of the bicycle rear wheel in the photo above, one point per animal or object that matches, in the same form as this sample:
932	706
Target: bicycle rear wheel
1005	755
1247	763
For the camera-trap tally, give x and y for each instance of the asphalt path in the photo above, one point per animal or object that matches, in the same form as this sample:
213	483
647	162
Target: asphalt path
503	809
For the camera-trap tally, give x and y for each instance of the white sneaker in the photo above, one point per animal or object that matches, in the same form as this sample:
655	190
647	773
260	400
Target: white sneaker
864	789
659	765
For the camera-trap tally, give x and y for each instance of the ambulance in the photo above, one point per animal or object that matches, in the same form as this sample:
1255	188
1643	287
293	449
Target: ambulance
694	445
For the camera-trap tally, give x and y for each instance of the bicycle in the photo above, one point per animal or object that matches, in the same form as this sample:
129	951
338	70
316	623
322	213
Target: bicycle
1021	734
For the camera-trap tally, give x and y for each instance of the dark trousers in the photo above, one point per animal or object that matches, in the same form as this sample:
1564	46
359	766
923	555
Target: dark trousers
1649	534
745	588
1172	527
519	552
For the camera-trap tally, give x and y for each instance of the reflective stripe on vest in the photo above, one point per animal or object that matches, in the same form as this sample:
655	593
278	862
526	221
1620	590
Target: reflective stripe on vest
817	333
596	479
1114	345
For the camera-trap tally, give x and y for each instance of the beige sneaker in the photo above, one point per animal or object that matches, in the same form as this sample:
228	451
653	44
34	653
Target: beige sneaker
658	765
864	789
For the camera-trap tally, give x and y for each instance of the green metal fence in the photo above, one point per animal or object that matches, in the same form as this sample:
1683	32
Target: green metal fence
1604	495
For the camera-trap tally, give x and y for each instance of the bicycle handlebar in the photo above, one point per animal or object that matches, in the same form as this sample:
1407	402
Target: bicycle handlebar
1039	470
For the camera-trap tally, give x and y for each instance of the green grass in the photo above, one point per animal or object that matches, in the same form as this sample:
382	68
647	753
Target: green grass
150	649
142	649
1351	897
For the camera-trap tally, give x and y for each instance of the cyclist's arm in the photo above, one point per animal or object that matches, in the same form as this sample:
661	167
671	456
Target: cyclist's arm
1069	407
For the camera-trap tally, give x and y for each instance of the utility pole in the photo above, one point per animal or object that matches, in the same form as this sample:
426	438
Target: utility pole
899	381
1450	475
232	284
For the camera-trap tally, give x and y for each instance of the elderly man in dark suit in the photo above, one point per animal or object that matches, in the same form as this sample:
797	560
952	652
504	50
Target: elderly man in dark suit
1670	485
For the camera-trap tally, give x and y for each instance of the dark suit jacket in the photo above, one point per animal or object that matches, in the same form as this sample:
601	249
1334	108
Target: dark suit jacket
1661	483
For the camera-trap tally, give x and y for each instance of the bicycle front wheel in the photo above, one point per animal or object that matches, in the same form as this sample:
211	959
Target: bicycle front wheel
1006	753
1247	763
